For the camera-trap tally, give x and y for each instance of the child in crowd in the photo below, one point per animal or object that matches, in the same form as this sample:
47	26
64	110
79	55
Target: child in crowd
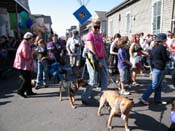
123	66
42	73
58	71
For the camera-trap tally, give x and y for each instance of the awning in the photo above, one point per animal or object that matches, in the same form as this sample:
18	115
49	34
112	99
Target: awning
13	6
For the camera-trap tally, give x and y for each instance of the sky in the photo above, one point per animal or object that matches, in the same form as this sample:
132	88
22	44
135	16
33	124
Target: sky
61	11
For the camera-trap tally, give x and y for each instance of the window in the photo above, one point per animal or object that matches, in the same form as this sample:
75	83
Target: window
111	28
128	23
156	25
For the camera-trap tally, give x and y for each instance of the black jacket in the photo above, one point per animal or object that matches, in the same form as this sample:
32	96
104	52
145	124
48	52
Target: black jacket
159	57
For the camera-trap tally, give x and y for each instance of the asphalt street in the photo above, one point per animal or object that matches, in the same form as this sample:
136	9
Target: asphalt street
44	112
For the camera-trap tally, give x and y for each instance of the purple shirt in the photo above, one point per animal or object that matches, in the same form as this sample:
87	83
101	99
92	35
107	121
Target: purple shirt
122	56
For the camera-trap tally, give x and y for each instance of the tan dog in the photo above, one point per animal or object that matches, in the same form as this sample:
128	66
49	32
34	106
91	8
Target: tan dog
75	85
118	104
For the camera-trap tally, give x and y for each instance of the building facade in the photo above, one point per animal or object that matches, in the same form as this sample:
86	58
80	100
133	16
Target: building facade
9	15
148	16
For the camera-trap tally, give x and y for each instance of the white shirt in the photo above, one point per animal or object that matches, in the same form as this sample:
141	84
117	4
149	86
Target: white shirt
74	45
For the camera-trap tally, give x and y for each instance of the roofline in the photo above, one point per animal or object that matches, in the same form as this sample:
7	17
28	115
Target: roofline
120	6
17	1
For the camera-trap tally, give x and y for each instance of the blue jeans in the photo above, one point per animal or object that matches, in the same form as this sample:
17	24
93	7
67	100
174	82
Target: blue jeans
42	73
157	78
102	77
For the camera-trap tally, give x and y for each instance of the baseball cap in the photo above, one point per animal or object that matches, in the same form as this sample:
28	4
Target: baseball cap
161	37
28	35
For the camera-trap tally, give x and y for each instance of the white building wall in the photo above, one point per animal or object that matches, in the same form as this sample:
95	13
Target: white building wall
141	18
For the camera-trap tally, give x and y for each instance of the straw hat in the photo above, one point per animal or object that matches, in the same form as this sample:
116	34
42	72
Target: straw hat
96	22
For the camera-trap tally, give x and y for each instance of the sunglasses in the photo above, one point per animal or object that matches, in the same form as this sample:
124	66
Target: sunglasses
96	27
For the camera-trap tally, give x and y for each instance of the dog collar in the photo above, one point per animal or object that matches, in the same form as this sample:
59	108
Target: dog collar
117	106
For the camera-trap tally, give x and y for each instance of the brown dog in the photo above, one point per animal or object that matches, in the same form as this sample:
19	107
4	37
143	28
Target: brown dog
117	104
75	85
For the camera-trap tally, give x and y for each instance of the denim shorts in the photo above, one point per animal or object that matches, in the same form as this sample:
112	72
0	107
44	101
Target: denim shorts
124	75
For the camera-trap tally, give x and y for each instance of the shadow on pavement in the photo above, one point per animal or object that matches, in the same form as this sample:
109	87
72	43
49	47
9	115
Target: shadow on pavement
4	102
8	85
147	123
167	86
44	95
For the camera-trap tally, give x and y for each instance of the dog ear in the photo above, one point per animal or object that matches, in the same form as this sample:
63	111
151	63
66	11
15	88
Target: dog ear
131	100
81	83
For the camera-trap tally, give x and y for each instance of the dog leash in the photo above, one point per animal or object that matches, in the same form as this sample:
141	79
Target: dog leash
110	77
83	72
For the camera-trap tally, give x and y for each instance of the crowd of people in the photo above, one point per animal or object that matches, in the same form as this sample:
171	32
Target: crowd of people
8	46
125	56
122	56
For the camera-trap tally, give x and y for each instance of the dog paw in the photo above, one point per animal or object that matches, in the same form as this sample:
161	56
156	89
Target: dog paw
98	114
74	107
123	116
127	129
109	127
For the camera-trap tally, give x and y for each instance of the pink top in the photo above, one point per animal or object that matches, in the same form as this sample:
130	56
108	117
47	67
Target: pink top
24	57
98	44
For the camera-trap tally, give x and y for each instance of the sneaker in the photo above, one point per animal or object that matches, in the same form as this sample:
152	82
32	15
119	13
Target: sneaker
31	93
117	82
135	83
144	102
98	88
124	92
22	95
160	102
